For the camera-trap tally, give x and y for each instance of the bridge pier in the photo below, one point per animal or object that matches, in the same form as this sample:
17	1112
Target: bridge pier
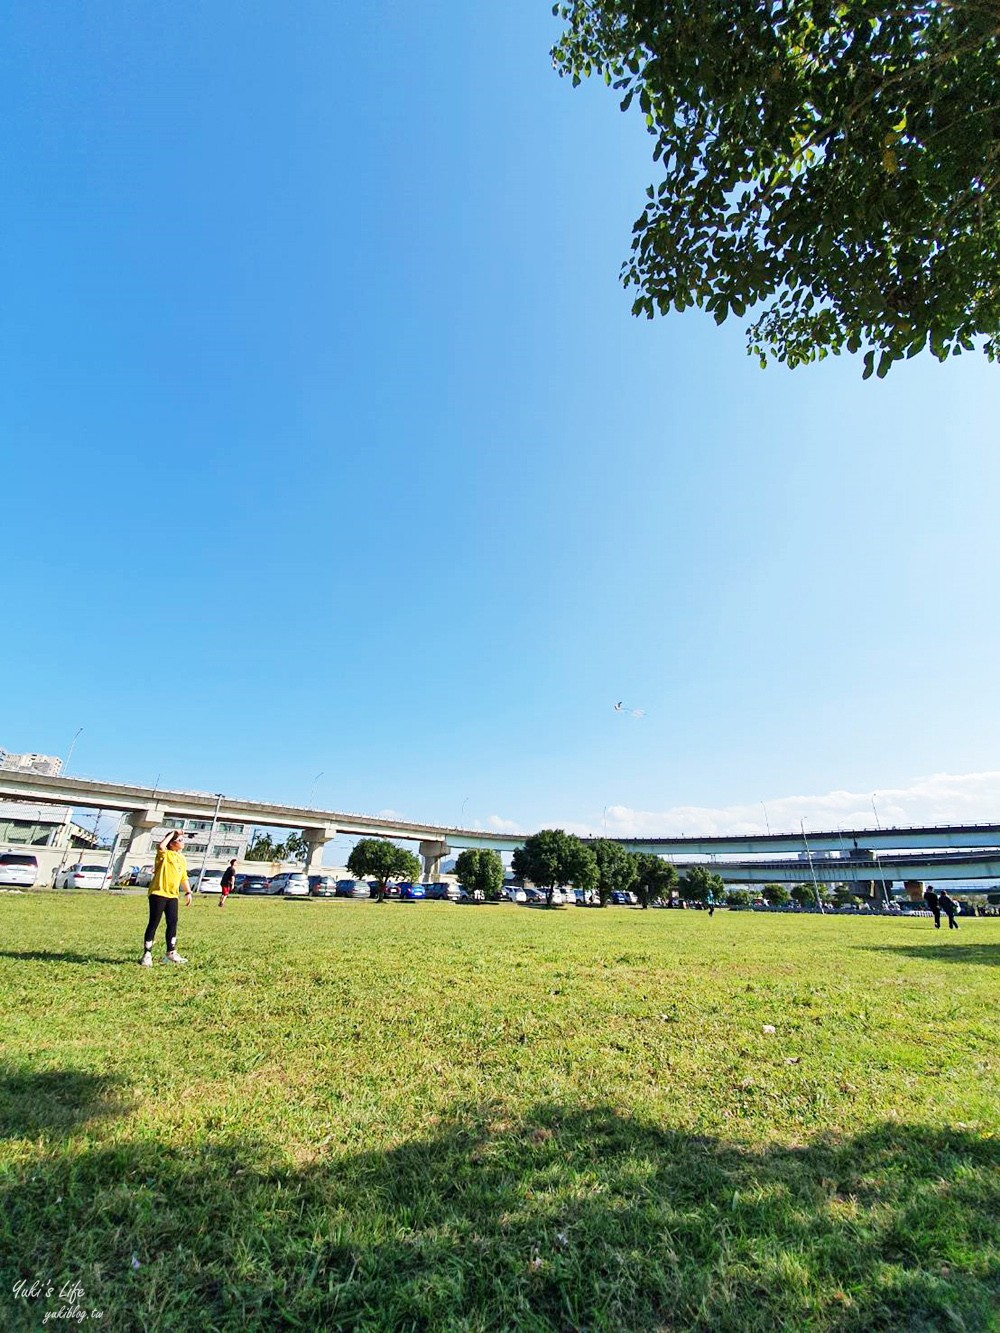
316	840
433	853
138	845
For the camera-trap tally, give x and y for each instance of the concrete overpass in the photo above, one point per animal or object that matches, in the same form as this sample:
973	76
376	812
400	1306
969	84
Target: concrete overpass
922	837
865	854
148	808
907	867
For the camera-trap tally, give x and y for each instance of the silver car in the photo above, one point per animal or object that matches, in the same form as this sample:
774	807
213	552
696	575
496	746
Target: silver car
291	884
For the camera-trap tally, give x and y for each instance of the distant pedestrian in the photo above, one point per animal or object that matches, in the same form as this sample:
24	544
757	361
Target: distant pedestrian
933	905
169	874
711	904
228	876
948	905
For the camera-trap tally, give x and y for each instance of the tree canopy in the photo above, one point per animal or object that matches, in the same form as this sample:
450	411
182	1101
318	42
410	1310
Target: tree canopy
616	868
480	872
383	861
701	885
832	167
655	878
265	848
778	895
552	858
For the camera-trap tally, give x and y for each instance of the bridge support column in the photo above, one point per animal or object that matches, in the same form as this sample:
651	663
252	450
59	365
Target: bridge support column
137	845
433	853
316	840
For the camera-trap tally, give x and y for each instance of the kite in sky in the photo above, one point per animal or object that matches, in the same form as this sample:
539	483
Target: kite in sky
629	712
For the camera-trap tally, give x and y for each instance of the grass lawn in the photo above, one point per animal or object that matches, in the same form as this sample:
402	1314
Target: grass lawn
426	1116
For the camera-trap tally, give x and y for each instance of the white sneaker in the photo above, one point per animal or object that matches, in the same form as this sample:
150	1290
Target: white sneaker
174	957
146	960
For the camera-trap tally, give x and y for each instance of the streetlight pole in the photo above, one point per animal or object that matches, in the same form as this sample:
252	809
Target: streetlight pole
767	822
312	789
878	864
208	844
69	753
812	868
462	815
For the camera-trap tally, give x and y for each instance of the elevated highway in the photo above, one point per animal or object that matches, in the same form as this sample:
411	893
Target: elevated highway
969	851
908	867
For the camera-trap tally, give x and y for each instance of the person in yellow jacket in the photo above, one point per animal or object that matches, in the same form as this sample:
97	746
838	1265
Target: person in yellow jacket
169	875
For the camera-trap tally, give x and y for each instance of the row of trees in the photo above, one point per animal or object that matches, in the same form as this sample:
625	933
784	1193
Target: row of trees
553	860
265	848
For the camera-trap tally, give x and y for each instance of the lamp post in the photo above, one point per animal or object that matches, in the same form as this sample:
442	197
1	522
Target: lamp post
461	817
208	844
878	864
812	868
69	752
767	822
312	789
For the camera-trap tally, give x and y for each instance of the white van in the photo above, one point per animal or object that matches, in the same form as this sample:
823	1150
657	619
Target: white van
205	881
291	884
20	868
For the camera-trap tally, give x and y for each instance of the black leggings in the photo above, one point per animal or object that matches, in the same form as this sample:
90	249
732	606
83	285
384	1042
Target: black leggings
159	906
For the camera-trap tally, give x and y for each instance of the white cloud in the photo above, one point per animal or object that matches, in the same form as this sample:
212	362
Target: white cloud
942	798
503	825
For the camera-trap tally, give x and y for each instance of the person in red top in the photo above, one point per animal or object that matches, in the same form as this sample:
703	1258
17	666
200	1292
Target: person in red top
228	876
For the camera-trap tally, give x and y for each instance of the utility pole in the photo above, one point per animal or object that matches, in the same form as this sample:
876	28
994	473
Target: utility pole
208	844
878	864
812	868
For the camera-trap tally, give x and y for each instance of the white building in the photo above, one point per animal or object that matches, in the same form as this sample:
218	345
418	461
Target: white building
49	765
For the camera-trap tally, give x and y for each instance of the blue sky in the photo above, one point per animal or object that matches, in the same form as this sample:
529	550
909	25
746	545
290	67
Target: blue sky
331	447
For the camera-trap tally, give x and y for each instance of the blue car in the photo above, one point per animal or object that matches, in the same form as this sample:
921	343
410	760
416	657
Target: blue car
412	892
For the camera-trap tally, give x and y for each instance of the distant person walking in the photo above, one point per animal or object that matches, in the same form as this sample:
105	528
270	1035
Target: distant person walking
169	873
933	904
948	905
228	876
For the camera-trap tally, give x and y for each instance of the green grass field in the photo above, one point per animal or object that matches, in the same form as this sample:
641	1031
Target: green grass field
426	1116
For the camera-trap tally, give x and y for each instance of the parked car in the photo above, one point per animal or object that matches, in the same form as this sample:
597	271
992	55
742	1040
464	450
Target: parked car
291	884
205	881
391	890
322	886
440	891
412	893
348	888
20	868
81	877
512	894
622	899
254	884
534	897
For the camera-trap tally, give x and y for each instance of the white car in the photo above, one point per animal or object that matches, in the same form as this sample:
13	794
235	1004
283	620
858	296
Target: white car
18	868
81	877
205	881
291	884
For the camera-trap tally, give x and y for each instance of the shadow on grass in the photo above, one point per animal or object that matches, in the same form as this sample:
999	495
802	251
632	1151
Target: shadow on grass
567	1219
984	955
56	956
52	1103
